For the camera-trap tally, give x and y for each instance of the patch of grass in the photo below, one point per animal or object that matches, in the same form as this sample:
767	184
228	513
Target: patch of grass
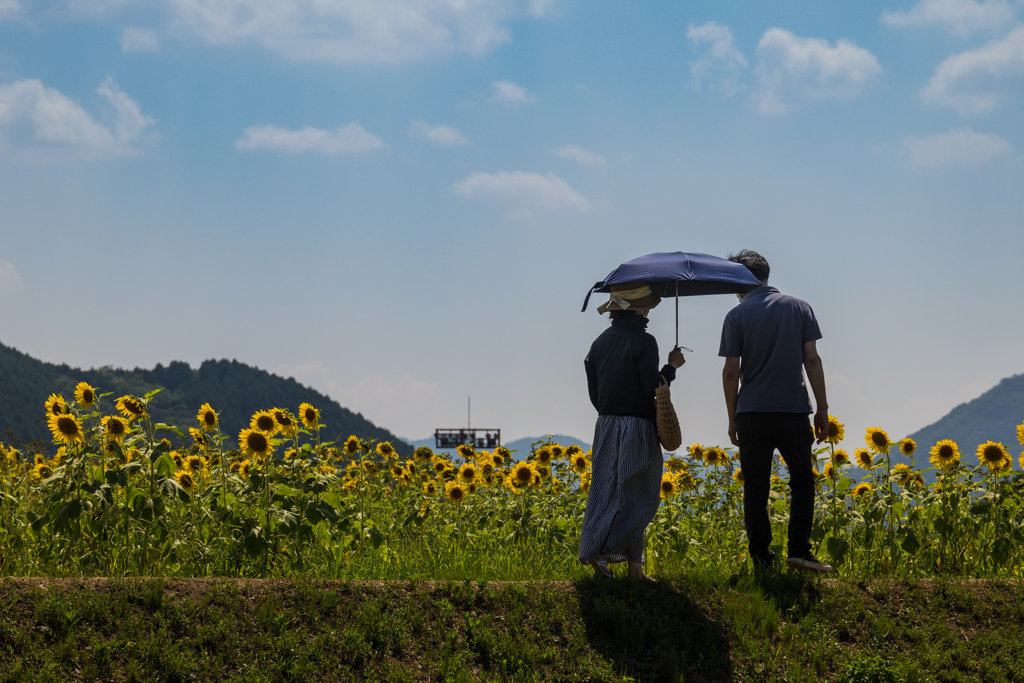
694	627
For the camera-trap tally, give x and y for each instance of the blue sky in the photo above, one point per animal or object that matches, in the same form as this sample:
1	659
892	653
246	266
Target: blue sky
403	202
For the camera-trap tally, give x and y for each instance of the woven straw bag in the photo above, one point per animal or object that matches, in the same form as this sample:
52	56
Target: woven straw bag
668	422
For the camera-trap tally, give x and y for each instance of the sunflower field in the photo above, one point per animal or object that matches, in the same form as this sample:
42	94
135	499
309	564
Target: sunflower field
126	495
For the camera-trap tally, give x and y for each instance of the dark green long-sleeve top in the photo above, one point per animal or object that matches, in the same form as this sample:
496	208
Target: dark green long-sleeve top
622	369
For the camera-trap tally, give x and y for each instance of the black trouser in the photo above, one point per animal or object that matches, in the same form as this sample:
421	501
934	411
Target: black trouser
759	435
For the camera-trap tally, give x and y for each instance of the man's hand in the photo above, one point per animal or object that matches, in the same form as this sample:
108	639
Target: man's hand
733	436
676	358
821	425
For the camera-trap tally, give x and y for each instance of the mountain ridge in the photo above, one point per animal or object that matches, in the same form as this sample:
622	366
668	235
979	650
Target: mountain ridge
234	389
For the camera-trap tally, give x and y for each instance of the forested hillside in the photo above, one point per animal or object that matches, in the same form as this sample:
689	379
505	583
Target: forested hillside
992	416
234	389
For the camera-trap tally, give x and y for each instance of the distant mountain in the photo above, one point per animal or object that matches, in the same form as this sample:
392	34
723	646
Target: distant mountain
234	389
520	446
993	416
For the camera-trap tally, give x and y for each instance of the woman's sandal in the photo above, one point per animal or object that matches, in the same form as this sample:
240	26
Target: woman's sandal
601	570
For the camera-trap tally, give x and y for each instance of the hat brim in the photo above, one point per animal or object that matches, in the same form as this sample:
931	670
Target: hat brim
643	303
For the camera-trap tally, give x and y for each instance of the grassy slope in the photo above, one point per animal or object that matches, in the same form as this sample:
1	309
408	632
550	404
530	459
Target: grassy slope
692	629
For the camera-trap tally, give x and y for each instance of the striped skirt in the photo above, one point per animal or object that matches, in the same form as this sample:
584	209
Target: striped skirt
625	488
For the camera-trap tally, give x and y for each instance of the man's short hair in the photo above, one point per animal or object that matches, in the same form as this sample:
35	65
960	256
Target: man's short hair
754	262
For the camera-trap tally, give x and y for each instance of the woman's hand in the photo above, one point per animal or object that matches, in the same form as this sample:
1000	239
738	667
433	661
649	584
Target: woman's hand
676	358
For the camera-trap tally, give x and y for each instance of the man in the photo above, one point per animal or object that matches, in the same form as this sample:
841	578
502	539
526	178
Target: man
768	340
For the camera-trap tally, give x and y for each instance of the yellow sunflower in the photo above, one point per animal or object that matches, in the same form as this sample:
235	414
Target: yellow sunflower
579	463
841	456
669	487
430	488
194	464
455	491
115	428
1020	433
585	482
863	458
501	455
715	456
386	450
66	428
521	475
836	430
263	421
286	421
423	454
410	467
352	445
185	481
466	452
254	443
737	476
201	440
556	451
944	453
56	405
207	417
440	464
572	451
906	475
696	451
42	471
829	471
310	416
544	455
675	464
131	407
85	395
877	440
994	456
908	447
861	489
467	472
245	469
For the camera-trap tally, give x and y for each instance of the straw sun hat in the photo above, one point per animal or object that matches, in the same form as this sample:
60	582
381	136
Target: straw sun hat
631	297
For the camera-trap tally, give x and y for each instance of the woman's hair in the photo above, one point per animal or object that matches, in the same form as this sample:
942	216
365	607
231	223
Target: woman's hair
620	314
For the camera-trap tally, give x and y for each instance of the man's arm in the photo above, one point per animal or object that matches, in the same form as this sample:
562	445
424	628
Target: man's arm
731	384
816	377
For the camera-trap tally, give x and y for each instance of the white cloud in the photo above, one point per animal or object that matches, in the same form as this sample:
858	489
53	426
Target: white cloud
511	94
9	276
960	18
139	40
524	192
443	136
961	147
404	405
42	120
967	82
354	31
9	8
794	70
582	156
350	139
722	63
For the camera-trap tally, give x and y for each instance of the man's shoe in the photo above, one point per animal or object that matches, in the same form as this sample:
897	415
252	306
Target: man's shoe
764	561
810	562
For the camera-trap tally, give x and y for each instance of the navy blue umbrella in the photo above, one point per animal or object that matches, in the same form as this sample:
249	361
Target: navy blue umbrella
679	274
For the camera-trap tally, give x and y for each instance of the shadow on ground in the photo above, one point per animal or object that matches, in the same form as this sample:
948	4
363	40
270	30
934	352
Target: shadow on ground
654	631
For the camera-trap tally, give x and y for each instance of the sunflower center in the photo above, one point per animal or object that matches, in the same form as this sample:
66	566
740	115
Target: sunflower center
879	439
945	452
67	426
87	396
209	418
256	442
310	415
993	453
282	419
133	407
186	481
265	423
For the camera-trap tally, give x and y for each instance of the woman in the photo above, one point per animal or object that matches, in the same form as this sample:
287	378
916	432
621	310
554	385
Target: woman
622	374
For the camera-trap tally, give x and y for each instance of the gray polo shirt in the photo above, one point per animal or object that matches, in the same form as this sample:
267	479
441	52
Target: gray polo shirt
767	332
